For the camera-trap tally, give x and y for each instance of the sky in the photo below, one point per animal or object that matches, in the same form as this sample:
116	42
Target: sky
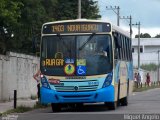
147	12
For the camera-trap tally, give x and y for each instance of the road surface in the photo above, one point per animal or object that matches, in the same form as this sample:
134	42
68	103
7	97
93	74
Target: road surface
141	105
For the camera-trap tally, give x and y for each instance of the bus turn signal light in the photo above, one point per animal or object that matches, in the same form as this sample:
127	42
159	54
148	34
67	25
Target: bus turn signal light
54	81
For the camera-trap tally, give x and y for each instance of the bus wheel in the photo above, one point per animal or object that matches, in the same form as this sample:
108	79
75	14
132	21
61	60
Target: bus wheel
111	105
124	101
79	106
56	107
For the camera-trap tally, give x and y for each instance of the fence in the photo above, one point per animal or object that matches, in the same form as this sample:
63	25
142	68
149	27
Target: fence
153	78
141	85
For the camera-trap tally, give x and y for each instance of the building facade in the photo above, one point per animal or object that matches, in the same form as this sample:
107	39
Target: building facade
149	50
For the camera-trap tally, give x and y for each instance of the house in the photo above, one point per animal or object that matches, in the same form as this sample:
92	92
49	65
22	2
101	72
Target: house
149	49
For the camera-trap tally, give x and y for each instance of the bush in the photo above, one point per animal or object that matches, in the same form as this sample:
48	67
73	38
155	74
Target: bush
149	67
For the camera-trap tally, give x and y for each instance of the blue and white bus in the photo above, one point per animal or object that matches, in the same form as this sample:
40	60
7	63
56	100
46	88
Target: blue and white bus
85	61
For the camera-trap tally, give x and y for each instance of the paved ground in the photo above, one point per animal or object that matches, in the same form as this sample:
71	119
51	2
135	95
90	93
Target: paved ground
4	106
140	104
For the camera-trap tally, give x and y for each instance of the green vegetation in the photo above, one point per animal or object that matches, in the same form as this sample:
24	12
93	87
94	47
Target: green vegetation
157	36
33	97
144	88
38	105
22	109
145	35
149	67
24	19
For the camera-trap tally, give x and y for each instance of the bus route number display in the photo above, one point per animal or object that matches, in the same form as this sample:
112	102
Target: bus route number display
80	27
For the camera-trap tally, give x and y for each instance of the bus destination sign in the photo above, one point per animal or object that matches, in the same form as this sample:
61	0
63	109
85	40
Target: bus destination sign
76	27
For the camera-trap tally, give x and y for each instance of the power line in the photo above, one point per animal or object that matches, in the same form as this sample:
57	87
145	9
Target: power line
116	10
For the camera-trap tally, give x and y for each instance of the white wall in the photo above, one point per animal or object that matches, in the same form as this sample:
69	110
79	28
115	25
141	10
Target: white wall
150	50
143	73
16	73
145	58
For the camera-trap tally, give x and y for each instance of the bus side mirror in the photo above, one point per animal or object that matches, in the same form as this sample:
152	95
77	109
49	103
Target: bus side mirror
36	44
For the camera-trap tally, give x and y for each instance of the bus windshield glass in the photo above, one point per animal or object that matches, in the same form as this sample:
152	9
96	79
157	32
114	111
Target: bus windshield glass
93	52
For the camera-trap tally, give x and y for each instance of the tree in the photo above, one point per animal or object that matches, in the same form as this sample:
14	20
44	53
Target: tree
157	36
9	15
37	12
149	67
33	15
145	35
68	9
26	17
9	12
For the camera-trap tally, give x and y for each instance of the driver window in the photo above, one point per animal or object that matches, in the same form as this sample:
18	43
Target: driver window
103	46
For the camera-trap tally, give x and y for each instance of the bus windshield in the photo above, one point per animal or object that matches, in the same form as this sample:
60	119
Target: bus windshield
94	49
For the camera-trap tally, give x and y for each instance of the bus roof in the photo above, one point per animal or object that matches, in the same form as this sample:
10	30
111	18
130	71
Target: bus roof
114	27
120	30
76	20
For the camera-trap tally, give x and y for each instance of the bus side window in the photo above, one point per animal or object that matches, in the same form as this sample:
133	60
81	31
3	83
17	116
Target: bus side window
128	49
115	49
117	46
121	48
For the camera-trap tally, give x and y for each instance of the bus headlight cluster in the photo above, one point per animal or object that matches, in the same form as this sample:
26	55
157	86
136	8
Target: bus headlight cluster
108	80
44	82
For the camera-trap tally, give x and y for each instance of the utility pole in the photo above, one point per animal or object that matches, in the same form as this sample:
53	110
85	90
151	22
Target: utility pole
115	9
158	65
79	9
138	24
130	23
139	45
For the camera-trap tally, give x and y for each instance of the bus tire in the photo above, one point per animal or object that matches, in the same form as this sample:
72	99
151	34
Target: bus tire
111	105
124	101
79	105
56	107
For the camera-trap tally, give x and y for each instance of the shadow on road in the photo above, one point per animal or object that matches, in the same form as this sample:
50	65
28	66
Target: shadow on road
85	108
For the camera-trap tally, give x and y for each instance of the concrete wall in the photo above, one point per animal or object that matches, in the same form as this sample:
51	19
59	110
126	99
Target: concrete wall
145	58
16	73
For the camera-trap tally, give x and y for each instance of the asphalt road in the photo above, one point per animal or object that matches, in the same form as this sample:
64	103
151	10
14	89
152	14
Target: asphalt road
140	104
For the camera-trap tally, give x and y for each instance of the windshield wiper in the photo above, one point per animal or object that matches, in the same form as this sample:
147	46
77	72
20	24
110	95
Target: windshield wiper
90	38
60	37
68	50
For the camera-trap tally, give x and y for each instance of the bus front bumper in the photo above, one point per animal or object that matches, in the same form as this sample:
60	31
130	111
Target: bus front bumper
102	95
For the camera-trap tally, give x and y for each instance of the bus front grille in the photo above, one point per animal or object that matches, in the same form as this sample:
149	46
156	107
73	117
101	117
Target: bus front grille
78	87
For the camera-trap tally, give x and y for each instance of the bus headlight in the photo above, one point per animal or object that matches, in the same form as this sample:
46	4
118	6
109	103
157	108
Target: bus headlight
44	82
108	80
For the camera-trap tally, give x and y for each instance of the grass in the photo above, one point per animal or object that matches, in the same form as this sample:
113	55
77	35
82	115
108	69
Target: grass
145	88
38	105
33	97
22	109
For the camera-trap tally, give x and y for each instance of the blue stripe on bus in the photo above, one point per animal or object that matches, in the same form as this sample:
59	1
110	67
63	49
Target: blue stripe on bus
130	70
